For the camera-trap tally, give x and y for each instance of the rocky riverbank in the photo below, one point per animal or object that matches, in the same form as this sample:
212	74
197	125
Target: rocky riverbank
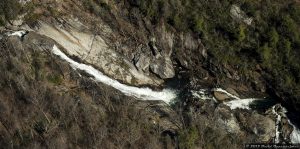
144	81
227	112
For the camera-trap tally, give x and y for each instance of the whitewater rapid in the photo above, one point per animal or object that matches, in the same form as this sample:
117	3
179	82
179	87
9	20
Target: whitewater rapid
17	33
295	135
224	91
166	95
278	120
238	103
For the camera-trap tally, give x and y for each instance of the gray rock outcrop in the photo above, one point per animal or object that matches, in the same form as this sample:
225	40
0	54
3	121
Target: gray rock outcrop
221	96
163	67
240	15
95	50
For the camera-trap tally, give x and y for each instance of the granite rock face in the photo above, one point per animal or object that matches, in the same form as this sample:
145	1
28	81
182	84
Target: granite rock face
34	79
93	49
163	67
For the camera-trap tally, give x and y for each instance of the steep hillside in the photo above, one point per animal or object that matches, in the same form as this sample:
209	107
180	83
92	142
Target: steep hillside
46	103
228	43
149	73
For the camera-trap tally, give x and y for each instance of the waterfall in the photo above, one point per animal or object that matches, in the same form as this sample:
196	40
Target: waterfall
142	93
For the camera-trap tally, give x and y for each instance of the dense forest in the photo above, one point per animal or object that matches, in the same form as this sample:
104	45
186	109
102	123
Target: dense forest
271	40
246	35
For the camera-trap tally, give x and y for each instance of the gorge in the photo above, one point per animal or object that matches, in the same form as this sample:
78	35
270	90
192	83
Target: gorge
149	74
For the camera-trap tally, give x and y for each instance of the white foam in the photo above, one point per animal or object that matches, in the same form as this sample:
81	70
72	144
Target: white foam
142	93
233	104
18	33
202	94
245	104
278	120
295	135
240	103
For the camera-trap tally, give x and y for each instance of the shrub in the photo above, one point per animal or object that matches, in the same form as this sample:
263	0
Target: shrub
9	9
2	21
95	6
198	23
290	29
55	79
273	37
289	80
39	127
32	18
188	138
266	54
242	34
287	47
294	10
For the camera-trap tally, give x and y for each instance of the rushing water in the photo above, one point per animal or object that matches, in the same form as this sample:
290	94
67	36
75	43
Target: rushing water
240	103
18	33
295	135
254	104
278	120
205	94
166	95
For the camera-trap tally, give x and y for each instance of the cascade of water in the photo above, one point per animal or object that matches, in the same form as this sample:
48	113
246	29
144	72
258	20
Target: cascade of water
142	93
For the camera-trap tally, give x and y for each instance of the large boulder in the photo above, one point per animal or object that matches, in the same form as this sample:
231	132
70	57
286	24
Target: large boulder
262	126
240	15
226	120
221	96
96	50
142	62
163	67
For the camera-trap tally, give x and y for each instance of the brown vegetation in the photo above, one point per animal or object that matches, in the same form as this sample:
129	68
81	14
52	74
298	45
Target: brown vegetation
45	103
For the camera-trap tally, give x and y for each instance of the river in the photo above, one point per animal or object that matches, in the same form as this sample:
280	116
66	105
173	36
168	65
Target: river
168	95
